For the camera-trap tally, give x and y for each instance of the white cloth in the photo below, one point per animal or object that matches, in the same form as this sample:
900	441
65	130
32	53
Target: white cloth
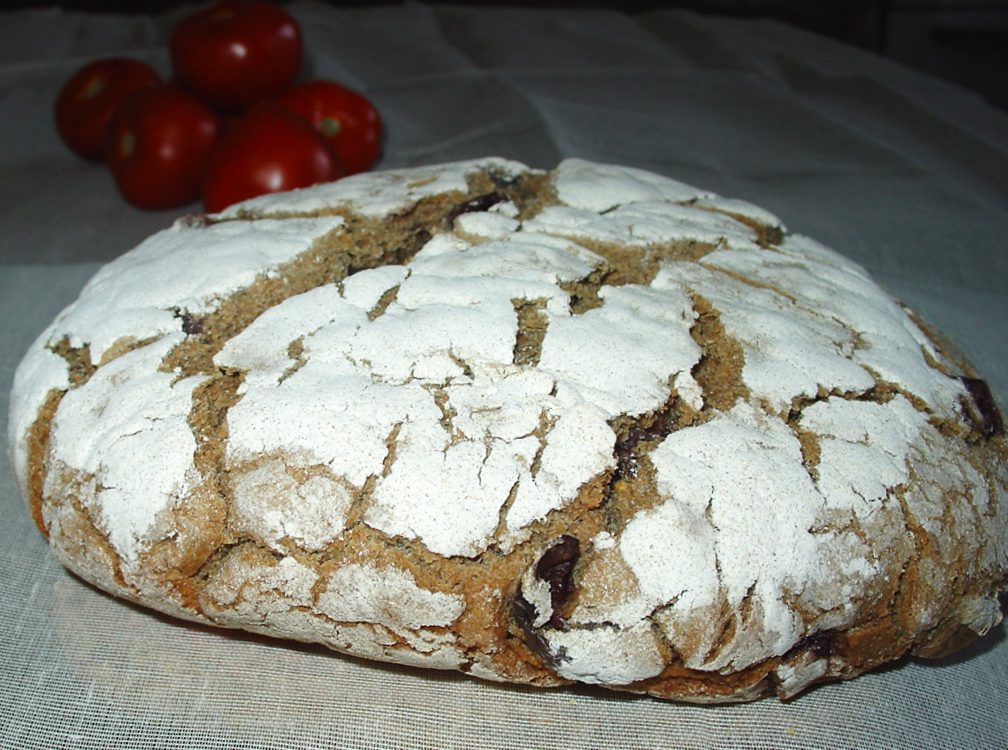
906	175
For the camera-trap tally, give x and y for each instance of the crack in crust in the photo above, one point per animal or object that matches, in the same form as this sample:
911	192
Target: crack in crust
637	436
767	235
719	371
38	441
584	293
532	324
78	359
383	303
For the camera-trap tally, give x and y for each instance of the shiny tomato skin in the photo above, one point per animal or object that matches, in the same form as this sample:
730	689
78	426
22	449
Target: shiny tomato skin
348	120
158	146
267	150
86	102
235	52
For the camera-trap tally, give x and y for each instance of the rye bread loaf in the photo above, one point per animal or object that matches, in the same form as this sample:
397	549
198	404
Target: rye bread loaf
589	425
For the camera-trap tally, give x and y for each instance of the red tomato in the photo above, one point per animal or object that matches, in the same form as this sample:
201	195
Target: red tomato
86	102
266	150
159	142
348	120
237	51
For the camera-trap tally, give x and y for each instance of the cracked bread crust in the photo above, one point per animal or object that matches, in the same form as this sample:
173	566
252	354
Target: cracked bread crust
589	425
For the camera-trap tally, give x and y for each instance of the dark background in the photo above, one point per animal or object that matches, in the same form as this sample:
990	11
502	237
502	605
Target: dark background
962	41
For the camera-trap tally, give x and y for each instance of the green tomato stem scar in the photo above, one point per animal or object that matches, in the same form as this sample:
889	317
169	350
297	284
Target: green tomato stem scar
330	126
94	87
127	144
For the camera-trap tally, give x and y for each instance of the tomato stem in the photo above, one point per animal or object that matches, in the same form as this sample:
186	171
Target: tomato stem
330	126
127	144
94	87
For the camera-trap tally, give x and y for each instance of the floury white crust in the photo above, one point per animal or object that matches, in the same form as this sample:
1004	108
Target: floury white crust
591	425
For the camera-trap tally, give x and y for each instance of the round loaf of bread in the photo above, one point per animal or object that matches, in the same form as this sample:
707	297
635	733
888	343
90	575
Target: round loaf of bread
590	425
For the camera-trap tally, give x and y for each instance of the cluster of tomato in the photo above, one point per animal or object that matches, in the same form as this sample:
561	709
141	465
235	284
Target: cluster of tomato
230	124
